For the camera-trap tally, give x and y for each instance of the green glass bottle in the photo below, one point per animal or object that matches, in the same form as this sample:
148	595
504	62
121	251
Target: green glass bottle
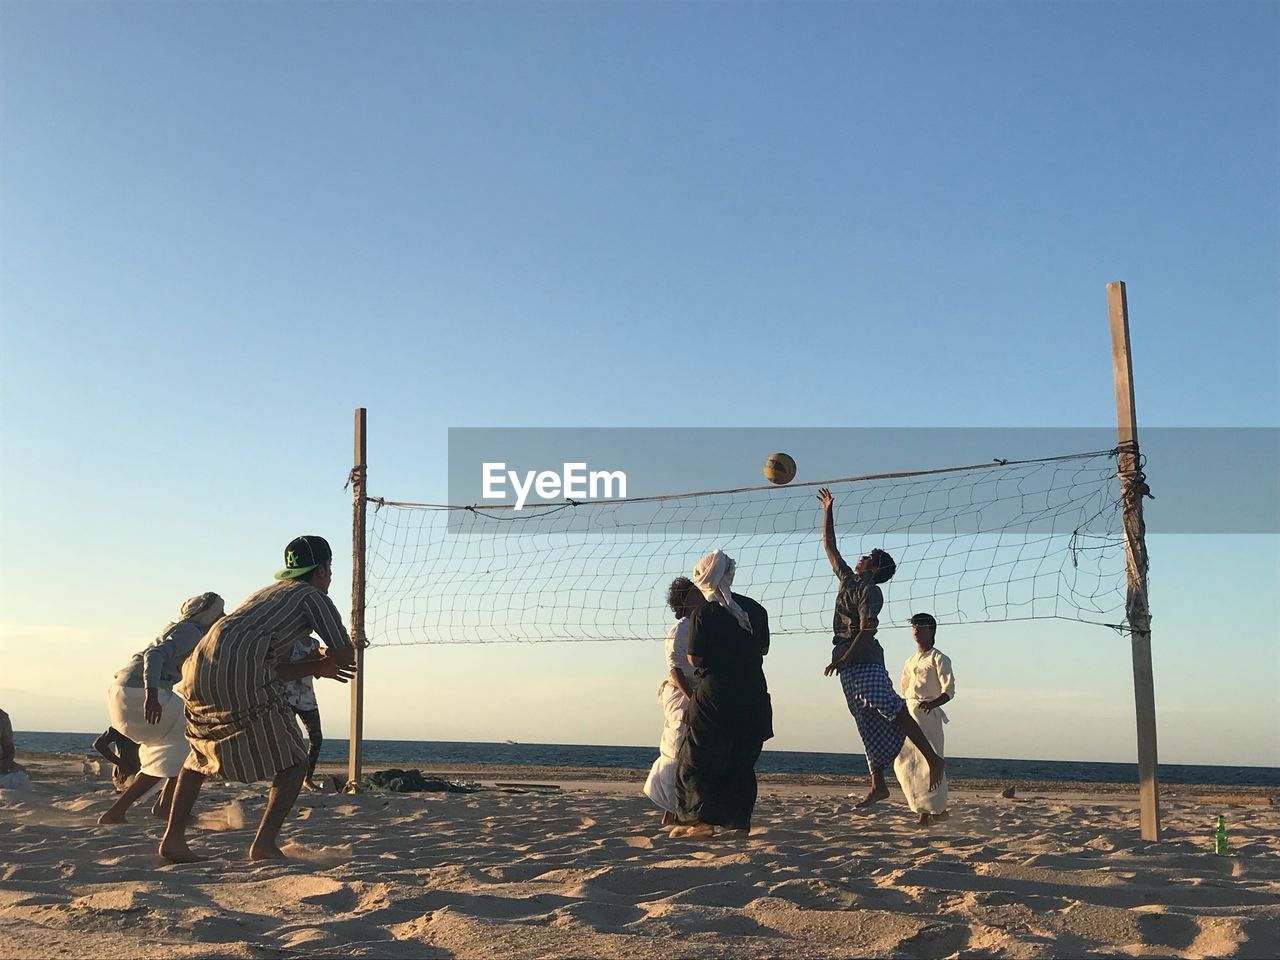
1220	838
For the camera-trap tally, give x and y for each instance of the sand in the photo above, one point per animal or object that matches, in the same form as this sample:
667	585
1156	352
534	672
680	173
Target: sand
585	871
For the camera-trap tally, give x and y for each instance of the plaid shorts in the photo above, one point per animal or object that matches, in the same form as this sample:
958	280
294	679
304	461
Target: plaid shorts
874	705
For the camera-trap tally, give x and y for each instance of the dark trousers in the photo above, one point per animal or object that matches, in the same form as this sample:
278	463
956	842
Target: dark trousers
716	778
311	723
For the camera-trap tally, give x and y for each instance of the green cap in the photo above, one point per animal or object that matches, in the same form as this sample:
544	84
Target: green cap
302	555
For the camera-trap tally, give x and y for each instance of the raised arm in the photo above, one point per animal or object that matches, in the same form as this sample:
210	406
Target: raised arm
829	528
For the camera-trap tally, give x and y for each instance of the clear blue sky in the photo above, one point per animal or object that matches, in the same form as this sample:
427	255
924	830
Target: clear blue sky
226	225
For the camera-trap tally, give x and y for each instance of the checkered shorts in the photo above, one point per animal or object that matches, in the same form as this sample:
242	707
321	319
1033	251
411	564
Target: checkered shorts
874	705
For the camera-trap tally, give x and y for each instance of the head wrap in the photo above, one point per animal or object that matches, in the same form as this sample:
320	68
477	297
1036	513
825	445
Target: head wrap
204	609
713	576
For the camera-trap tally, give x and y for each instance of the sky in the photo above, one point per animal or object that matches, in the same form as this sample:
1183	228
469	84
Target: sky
224	226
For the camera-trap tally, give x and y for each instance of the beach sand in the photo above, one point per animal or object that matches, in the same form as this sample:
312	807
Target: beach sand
585	871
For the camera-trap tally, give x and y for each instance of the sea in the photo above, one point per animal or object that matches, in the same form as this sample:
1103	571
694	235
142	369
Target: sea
427	753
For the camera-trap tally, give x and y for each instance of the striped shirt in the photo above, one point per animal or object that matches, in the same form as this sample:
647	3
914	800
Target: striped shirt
239	722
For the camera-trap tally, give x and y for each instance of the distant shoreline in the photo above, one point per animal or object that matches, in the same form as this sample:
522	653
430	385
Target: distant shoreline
620	775
606	762
1251	794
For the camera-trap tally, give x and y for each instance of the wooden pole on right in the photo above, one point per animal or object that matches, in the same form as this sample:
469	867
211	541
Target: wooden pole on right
359	499
1133	487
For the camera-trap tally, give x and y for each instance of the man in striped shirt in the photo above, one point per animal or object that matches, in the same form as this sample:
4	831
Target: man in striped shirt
239	723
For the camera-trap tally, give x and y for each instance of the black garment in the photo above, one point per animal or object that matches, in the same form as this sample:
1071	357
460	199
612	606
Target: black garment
311	723
729	718
119	751
859	598
716	778
412	781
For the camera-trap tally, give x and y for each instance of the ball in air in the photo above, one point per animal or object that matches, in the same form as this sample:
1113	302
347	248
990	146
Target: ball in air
779	468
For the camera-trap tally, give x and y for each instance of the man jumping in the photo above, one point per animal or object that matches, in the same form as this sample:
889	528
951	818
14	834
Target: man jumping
883	720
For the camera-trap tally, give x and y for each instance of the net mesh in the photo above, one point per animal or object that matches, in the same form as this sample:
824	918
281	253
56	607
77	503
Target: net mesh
1026	540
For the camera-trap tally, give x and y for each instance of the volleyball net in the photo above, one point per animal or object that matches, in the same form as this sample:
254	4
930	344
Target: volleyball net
989	542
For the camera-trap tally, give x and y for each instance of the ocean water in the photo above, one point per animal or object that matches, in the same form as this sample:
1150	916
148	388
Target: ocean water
426	753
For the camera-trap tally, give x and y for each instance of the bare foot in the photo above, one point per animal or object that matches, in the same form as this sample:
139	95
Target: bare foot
924	819
875	795
668	818
938	817
177	851
693	830
266	851
110	817
937	767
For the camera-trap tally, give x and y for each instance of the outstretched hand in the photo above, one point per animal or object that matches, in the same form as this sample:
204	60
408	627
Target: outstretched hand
825	498
326	666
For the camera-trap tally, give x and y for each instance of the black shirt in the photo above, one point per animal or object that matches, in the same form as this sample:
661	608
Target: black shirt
718	639
859	599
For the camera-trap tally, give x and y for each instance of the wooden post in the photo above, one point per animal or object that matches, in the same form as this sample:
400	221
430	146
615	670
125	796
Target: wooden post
1133	488
359	498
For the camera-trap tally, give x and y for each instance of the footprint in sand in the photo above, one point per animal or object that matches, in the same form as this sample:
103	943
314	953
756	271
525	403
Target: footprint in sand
320	856
724	894
600	917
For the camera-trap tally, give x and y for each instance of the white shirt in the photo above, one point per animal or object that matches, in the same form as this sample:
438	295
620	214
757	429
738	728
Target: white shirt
301	693
678	648
927	675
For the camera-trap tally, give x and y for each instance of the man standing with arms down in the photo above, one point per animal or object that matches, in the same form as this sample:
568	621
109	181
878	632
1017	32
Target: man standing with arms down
881	715
927	683
239	724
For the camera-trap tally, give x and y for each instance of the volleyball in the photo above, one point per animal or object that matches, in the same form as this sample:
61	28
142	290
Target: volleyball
779	468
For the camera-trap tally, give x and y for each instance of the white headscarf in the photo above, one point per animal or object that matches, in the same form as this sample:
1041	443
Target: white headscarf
713	576
204	609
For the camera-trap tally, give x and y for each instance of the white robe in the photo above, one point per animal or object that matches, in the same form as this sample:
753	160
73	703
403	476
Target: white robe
660	787
162	747
925	677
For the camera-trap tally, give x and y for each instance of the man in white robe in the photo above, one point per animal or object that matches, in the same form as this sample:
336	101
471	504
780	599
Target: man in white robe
927	683
673	695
